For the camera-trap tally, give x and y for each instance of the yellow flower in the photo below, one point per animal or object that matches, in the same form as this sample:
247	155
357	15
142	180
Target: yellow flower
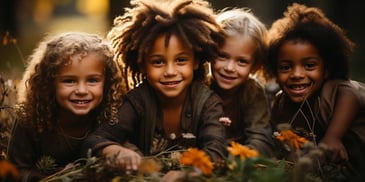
291	138
241	150
197	158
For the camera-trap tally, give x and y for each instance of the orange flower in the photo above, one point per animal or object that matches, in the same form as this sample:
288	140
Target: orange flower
148	166
8	39
241	150
198	159
291	138
7	169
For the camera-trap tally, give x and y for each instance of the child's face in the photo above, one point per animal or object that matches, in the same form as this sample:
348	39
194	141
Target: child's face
235	62
300	70
170	69
79	85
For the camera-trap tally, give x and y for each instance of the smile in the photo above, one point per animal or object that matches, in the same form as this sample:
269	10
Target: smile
170	83
299	87
227	77
81	101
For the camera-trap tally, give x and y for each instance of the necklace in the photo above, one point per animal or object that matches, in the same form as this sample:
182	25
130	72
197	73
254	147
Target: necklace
76	138
73	137
313	116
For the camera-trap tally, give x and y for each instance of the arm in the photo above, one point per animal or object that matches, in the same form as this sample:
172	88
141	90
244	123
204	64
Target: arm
111	140
344	113
22	152
211	134
258	129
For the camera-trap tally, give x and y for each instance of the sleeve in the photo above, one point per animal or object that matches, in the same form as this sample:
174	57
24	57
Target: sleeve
22	152
211	136
258	129
109	134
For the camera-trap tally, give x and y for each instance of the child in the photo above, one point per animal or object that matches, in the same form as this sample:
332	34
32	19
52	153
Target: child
309	56
245	104
164	46
70	86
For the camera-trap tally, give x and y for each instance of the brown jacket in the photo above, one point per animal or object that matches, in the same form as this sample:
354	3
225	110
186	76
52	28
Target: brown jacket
322	106
250	115
141	122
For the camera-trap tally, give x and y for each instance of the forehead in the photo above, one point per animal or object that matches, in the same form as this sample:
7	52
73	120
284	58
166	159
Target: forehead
167	38
170	43
91	61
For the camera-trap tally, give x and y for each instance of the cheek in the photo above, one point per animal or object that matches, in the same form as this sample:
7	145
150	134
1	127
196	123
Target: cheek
217	65
281	78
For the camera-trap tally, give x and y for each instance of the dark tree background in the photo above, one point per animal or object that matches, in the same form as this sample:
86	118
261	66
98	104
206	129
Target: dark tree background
348	14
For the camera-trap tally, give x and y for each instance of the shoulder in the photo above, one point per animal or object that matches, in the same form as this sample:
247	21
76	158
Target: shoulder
252	84
332	87
200	90
201	94
333	90
252	90
139	98
142	92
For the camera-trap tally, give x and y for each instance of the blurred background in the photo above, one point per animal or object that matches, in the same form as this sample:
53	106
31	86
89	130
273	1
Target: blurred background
23	23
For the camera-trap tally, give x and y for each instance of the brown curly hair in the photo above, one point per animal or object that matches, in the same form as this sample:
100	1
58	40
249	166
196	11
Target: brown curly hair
134	33
310	24
37	106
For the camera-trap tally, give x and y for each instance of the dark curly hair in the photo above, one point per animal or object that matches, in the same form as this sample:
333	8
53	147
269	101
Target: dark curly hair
134	33
37	106
310	24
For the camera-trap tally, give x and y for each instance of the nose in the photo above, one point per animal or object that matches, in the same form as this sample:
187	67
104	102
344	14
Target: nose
81	88
170	70
297	73
230	64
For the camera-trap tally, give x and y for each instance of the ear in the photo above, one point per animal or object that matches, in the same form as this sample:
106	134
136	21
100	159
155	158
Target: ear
326	74
196	64
142	68
255	67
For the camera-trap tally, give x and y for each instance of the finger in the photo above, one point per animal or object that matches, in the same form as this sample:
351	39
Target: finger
344	155
135	163
225	121
335	155
122	164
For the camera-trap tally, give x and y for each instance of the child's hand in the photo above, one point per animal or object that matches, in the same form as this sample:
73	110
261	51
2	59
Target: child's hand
225	121
127	158
336	148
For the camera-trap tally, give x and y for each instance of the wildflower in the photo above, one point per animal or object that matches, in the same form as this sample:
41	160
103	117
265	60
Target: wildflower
172	136
241	150
148	166
7	39
198	159
7	170
291	138
47	164
188	135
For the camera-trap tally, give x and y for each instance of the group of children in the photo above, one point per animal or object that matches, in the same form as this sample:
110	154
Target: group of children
150	90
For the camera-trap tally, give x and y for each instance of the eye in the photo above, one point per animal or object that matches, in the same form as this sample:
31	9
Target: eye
242	62
310	66
68	81
94	80
284	67
222	57
157	62
181	60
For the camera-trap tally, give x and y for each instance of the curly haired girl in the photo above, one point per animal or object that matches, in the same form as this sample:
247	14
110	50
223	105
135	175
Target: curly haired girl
70	86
